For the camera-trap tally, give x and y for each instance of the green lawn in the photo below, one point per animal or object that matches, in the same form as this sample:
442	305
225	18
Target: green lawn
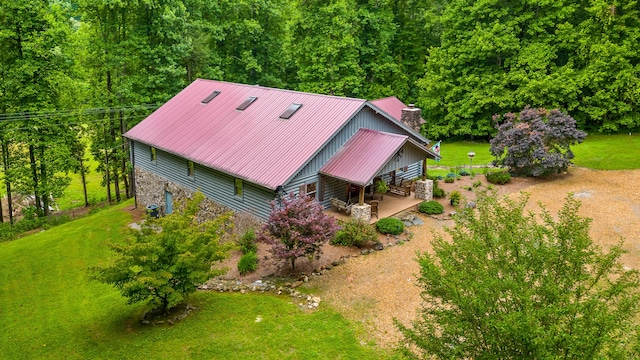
50	309
609	152
601	152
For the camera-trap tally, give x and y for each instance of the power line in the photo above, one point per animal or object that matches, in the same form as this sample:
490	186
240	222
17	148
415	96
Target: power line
26	115
68	124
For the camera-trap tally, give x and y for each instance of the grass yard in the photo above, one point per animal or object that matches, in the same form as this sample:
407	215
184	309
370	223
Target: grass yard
609	152
50	309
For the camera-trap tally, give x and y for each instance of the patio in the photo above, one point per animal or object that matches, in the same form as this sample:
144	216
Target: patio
390	205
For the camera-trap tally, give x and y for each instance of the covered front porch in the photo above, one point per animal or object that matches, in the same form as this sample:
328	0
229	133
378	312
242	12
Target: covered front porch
352	176
390	205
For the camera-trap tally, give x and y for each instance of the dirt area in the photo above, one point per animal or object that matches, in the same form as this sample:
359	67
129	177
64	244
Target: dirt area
376	288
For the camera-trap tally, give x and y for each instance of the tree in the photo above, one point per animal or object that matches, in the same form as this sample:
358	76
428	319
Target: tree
297	228
511	284
168	257
537	141
325	47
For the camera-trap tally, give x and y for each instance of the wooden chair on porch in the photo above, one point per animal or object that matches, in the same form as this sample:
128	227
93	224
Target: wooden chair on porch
374	208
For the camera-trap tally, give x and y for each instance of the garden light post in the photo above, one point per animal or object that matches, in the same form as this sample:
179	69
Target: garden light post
471	154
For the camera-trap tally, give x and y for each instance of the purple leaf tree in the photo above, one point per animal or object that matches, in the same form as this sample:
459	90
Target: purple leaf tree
298	227
535	142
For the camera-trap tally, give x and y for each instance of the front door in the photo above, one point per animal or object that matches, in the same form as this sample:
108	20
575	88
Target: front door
168	203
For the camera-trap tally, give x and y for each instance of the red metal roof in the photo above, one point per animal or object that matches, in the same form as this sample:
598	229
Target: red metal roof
254	144
392	106
363	155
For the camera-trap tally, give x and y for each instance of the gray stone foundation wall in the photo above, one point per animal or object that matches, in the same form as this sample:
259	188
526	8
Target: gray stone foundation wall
361	212
424	189
150	190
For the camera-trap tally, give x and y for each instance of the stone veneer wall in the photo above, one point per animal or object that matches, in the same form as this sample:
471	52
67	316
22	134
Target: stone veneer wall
150	189
424	190
361	212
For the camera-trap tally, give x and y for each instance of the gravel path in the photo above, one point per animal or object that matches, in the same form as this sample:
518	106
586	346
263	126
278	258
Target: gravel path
379	287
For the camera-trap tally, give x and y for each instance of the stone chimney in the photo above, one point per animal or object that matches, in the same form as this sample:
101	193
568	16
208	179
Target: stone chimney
411	117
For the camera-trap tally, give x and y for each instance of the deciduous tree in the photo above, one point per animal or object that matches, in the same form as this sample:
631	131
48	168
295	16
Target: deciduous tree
513	285
168	258
535	142
298	227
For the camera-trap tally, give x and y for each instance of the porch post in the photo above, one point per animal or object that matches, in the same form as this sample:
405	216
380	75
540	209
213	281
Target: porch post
424	169
361	197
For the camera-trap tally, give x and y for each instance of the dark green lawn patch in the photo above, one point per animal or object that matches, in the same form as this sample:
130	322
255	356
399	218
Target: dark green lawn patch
50	309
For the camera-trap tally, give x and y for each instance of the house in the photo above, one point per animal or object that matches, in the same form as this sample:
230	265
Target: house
244	146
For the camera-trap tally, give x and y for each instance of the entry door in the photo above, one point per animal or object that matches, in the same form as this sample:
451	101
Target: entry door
168	203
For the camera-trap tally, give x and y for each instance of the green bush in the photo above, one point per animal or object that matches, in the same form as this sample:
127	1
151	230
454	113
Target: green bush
248	263
437	191
464	172
477	184
451	175
248	242
431	207
455	197
499	178
390	225
355	233
449	180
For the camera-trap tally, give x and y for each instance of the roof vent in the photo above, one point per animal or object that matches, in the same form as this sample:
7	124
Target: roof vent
210	97
245	104
290	111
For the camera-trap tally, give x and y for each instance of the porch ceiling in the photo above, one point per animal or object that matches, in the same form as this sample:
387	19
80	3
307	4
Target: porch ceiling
362	156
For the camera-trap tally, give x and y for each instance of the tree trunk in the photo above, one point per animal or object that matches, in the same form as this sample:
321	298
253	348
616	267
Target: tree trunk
106	175
5	157
44	180
34	172
116	182
84	181
127	176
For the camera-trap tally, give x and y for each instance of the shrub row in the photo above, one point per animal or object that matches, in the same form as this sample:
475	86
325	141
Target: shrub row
355	233
390	225
431	207
499	178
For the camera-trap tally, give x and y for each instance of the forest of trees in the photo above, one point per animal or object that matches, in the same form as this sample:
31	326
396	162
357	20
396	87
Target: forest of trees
75	75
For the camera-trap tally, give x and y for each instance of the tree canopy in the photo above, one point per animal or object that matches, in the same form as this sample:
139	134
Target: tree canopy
510	284
168	257
535	142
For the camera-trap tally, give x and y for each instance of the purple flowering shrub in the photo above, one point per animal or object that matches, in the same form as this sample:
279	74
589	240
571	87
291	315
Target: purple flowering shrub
535	142
297	228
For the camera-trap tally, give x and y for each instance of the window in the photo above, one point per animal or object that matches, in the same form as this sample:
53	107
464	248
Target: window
245	104
290	111
154	155
237	187
311	190
191	169
210	97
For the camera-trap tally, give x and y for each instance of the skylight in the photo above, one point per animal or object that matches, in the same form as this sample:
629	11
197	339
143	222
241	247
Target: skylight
210	97
290	111
245	104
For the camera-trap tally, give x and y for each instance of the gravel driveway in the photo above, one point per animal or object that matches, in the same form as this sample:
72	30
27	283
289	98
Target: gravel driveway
376	288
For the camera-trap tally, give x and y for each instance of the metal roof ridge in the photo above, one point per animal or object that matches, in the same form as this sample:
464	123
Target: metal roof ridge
283	90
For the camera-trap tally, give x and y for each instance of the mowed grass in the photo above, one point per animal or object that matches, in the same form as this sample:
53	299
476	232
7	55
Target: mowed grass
609	152
49	308
598	151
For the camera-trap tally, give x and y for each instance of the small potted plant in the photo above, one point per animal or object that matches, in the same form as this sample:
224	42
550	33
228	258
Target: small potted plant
454	198
381	187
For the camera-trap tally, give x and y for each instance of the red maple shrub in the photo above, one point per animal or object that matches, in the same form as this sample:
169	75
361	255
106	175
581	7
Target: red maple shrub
297	227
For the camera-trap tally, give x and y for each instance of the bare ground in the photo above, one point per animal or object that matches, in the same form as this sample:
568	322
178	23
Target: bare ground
376	288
